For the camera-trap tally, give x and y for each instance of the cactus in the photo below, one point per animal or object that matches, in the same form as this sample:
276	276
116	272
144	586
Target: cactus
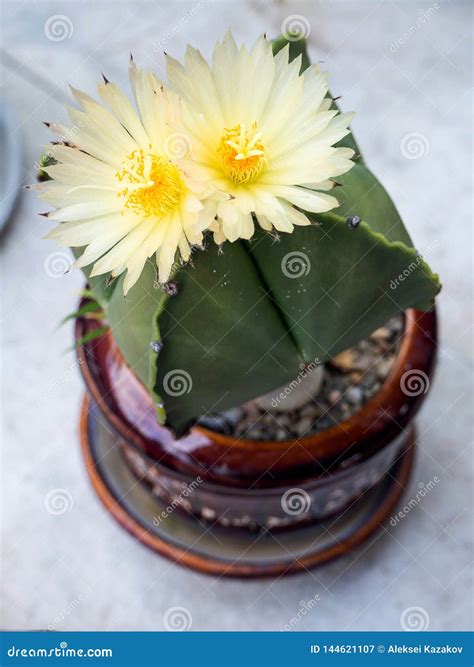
241	320
248	317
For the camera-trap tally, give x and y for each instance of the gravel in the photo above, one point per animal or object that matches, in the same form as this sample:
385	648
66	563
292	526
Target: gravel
350	380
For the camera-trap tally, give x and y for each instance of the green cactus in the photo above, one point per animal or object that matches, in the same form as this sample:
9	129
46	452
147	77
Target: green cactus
248	317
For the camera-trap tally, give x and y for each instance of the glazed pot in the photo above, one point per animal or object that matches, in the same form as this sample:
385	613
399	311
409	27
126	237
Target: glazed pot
271	485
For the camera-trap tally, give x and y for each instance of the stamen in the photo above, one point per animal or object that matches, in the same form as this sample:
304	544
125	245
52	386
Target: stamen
241	153
150	184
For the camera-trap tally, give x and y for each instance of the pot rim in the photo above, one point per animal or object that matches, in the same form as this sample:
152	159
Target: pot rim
387	412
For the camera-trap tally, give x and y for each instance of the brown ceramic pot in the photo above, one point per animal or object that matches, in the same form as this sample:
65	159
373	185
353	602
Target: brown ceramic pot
249	484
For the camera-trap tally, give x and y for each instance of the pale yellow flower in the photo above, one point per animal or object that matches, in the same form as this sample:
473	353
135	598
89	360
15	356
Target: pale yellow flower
122	188
263	136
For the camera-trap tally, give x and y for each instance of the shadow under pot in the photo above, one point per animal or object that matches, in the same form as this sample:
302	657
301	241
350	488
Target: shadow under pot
234	483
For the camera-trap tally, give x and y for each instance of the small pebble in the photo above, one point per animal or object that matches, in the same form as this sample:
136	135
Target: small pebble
311	410
304	426
383	368
234	415
334	396
364	361
345	361
369	378
284	419
268	419
354	395
380	334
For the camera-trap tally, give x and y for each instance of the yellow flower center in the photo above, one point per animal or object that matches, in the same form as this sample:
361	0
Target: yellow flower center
241	153
152	185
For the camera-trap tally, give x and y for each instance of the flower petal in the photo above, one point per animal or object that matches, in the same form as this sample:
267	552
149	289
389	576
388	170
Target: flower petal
314	202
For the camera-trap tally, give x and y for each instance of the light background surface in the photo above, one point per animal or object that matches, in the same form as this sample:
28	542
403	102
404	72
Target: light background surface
405	68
